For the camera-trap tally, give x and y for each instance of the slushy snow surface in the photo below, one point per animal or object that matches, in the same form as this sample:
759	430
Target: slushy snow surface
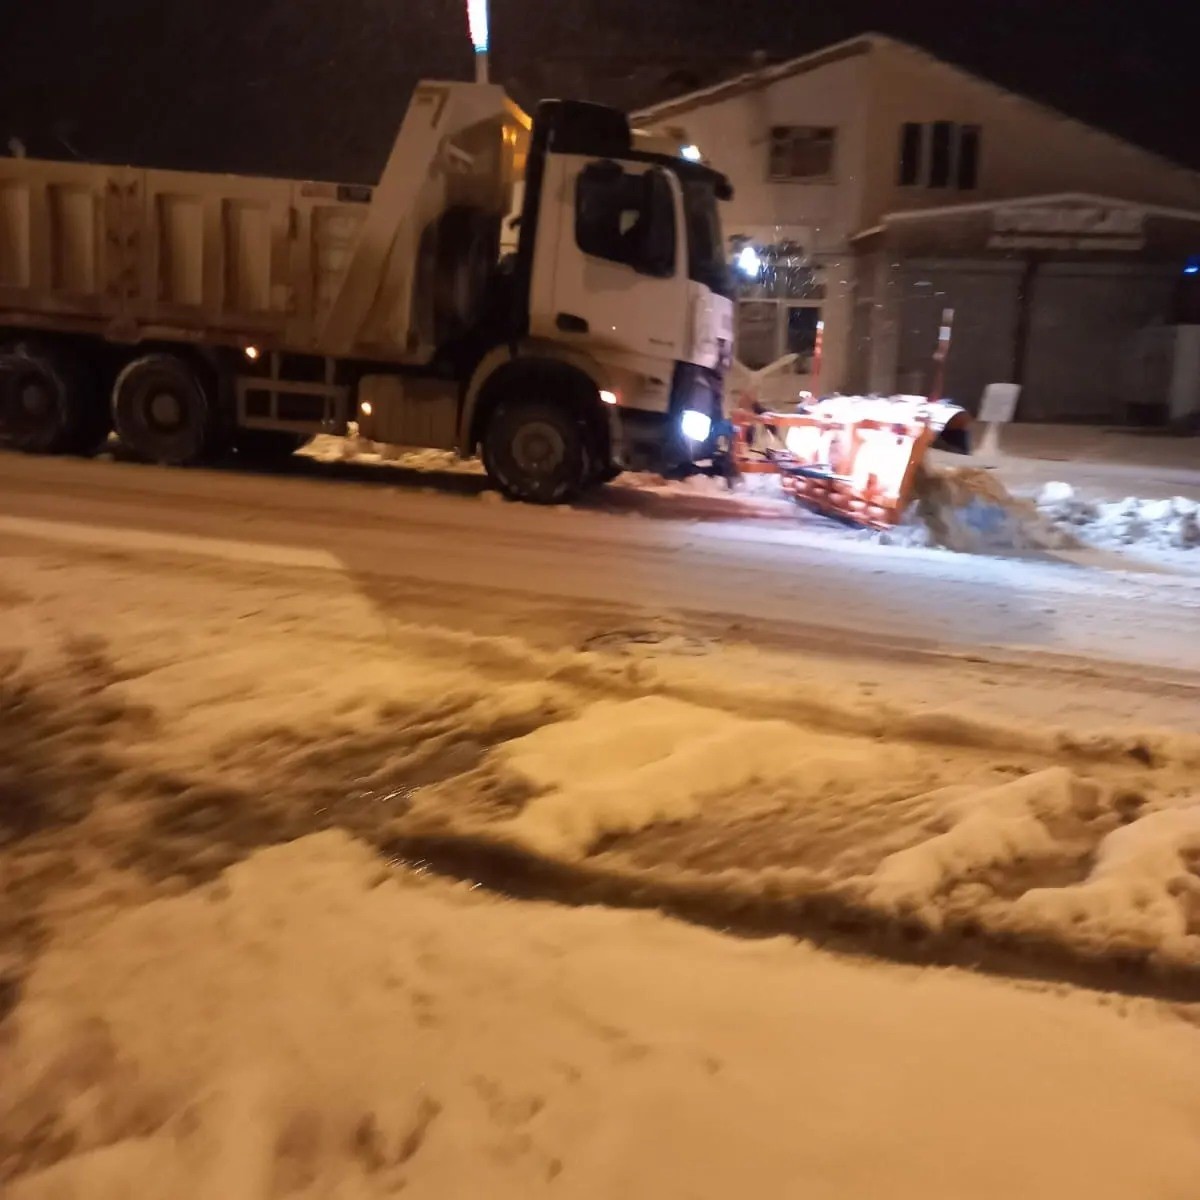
223	972
313	1025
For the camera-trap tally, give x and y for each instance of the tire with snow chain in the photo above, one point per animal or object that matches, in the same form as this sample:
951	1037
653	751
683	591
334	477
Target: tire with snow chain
48	400
164	411
535	451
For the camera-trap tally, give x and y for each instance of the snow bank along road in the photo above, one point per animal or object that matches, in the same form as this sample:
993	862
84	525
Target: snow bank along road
241	717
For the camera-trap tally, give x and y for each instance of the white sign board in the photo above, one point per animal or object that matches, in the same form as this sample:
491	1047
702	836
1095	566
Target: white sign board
1068	227
999	404
998	407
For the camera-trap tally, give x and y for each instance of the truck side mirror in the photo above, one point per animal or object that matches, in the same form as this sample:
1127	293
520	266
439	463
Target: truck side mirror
656	253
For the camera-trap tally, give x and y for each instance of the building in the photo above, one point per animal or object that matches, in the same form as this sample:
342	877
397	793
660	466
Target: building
877	186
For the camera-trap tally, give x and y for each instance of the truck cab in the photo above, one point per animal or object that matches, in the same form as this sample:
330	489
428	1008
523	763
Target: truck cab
615	326
621	266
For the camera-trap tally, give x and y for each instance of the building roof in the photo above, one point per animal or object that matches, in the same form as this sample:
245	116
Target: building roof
1056	198
866	43
760	77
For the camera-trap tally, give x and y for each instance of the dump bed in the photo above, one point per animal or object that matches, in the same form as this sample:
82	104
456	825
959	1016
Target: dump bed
137	254
171	251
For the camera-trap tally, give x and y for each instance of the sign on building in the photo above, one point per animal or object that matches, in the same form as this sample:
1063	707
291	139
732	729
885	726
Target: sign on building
1094	227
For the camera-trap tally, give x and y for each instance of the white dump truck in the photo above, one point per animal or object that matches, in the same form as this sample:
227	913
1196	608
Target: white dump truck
550	293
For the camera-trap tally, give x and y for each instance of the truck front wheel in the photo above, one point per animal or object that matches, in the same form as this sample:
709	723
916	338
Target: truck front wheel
163	412
47	401
534	451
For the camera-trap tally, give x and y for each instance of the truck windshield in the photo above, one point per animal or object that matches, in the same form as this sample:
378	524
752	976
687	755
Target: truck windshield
706	245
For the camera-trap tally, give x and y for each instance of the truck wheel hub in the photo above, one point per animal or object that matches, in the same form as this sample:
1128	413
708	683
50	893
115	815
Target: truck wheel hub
539	448
165	411
35	399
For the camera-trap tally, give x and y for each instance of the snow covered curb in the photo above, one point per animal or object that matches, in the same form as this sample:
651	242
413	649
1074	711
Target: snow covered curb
1172	524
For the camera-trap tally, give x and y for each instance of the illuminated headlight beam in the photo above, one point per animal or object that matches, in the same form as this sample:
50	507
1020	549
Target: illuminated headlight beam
695	426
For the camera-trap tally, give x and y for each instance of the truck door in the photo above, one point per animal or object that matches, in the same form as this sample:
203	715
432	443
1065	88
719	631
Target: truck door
610	269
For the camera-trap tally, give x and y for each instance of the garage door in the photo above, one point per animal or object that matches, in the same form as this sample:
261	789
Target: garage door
984	298
1084	326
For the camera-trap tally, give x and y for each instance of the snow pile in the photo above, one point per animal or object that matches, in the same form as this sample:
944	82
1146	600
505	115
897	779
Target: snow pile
313	1026
1118	892
1162	524
968	510
693	485
624	765
993	827
1144	889
353	448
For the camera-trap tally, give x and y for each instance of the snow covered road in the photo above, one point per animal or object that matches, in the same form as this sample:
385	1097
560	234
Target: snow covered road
700	556
235	711
735	725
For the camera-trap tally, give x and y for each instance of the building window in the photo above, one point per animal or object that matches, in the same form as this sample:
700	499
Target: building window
952	159
779	305
766	330
968	158
939	155
802	322
912	139
757	333
785	272
801	153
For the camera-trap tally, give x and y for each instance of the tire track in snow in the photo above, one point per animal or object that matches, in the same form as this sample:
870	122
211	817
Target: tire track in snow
826	918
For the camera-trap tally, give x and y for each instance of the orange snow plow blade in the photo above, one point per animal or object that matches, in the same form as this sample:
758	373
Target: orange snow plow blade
853	457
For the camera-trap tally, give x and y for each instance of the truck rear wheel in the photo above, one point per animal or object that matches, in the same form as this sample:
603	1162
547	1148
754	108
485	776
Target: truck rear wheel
534	451
163	412
48	401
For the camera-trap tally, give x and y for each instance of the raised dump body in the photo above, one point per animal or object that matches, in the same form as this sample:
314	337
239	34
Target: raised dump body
321	268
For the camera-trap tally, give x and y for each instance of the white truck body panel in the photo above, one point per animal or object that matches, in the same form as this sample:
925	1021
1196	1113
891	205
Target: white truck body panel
320	268
636	324
710	341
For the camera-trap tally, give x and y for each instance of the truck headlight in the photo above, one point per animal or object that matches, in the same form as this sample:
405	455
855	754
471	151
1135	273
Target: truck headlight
696	426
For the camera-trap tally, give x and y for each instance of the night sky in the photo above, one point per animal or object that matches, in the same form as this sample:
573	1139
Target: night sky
317	87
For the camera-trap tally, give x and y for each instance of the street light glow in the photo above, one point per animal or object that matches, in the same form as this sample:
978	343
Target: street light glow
477	15
748	261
